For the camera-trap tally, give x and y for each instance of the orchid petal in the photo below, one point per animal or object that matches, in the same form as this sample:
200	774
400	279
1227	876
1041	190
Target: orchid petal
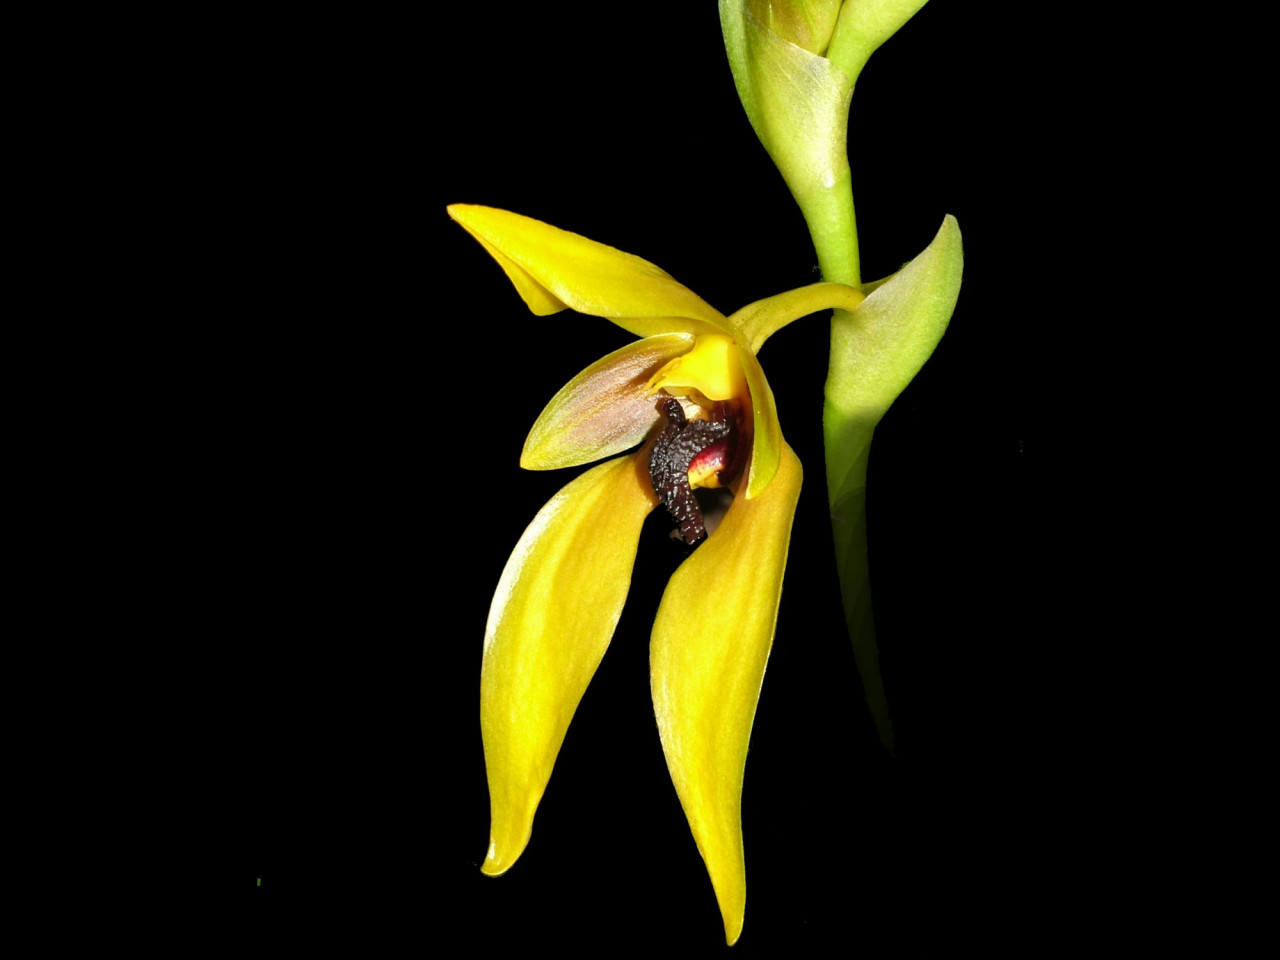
553	269
605	409
551	621
711	368
541	301
766	438
710	645
757	322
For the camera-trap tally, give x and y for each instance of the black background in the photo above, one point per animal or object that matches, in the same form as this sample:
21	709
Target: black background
370	375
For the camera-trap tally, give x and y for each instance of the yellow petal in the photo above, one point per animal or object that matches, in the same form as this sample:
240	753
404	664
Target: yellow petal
541	301
710	645
766	438
552	269
711	368
758	321
552	617
605	409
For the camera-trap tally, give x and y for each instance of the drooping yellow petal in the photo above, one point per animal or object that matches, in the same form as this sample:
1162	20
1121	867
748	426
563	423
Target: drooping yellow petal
710	644
605	409
553	269
552	617
766	440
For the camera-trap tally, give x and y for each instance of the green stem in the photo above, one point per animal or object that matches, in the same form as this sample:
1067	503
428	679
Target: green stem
832	225
833	228
848	449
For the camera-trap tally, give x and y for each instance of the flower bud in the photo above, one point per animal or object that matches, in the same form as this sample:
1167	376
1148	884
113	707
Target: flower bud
794	64
807	25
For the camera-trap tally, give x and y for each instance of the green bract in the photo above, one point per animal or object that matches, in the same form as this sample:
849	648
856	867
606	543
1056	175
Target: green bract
882	345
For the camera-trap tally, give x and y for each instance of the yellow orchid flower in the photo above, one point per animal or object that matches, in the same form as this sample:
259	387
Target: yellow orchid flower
692	395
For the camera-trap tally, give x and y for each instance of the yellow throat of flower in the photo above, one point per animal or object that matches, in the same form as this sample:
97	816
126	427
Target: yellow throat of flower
710	371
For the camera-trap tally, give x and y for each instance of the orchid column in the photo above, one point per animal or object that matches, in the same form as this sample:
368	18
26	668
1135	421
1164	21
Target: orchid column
795	63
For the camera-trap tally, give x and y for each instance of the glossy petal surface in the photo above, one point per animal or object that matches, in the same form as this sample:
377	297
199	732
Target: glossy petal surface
551	621
553	269
710	645
605	409
711	368
766	441
758	321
